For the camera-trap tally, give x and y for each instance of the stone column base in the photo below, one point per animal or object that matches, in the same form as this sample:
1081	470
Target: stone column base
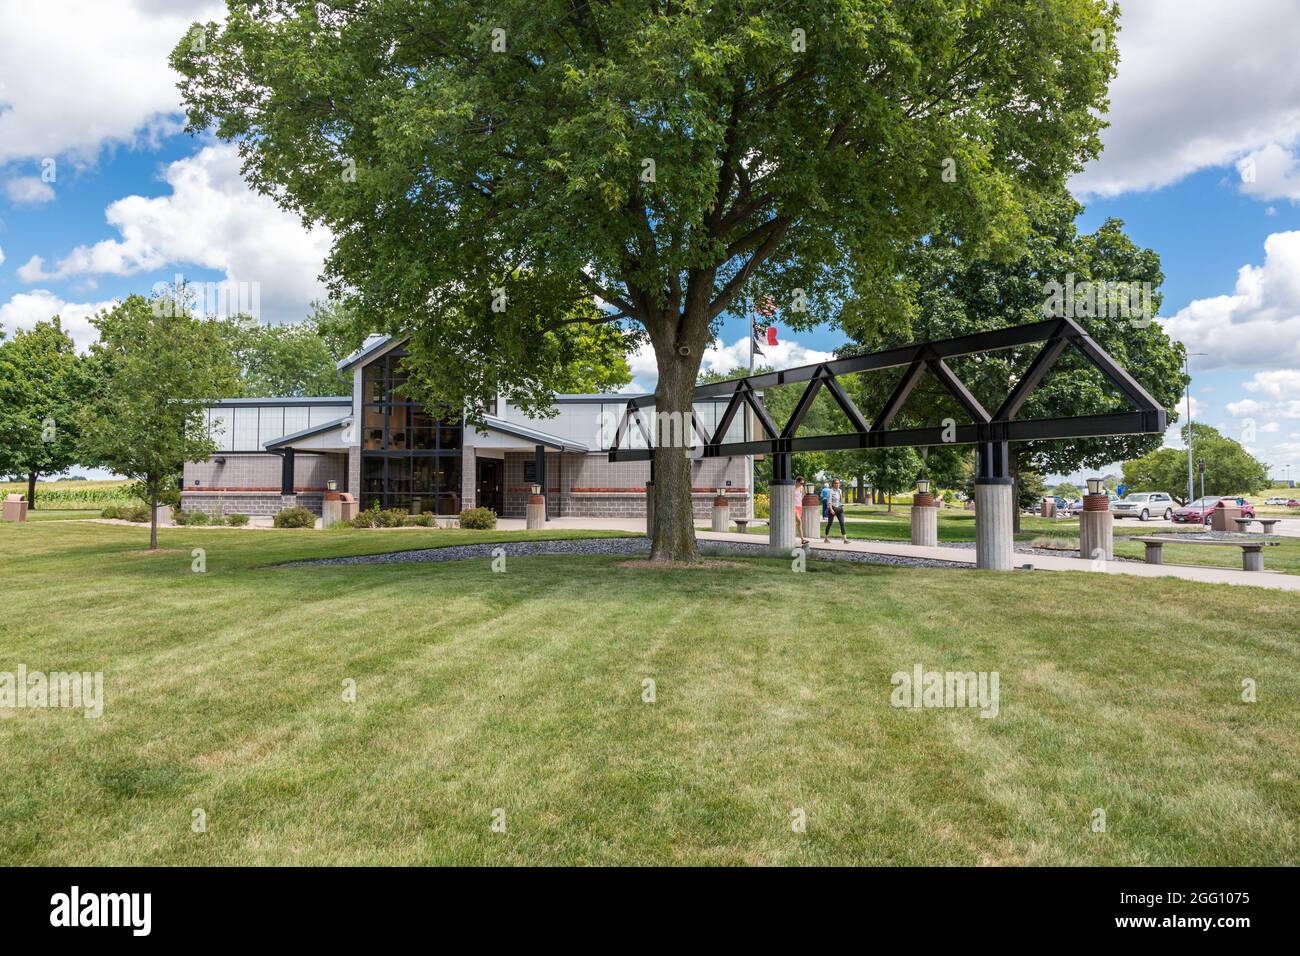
1097	530
994	504
536	514
780	538
925	522
721	514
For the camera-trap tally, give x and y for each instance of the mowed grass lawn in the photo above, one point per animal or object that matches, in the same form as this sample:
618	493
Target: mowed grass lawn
524	691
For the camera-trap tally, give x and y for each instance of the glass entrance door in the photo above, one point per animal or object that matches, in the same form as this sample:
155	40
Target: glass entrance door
489	492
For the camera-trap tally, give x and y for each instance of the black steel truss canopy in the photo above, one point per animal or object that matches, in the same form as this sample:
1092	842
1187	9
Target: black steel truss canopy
990	432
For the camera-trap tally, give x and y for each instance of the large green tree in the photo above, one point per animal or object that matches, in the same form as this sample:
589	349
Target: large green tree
957	295
157	367
42	385
1229	468
290	359
486	167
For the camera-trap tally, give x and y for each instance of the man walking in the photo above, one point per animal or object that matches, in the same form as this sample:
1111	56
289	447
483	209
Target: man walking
835	509
824	494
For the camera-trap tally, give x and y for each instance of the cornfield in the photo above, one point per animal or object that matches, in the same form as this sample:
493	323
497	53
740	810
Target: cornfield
72	495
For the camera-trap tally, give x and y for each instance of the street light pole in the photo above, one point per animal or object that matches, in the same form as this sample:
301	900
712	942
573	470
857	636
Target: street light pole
1187	368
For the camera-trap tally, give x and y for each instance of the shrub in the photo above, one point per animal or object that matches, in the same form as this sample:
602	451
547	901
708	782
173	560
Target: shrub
478	519
425	520
194	518
762	506
137	513
112	511
375	517
294	518
236	521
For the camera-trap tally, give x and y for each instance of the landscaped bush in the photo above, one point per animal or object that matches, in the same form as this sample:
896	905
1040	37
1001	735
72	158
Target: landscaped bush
425	520
236	521
294	518
375	517
193	518
137	513
478	519
762	506
112	511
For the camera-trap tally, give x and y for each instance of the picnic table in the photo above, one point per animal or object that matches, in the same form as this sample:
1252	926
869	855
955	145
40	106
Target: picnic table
1252	549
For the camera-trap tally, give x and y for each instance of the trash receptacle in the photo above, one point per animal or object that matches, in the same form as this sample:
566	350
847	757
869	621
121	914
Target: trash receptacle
1049	507
15	508
349	506
1223	515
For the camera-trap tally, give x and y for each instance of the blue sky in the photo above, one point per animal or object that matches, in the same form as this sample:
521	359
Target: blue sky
101	194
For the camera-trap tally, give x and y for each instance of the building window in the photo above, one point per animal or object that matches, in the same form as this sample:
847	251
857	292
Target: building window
409	459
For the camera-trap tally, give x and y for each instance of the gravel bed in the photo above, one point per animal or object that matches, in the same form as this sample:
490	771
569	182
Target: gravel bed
631	547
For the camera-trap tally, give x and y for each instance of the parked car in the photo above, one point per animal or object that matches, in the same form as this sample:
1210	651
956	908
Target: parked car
1292	503
1275	500
1199	511
1143	504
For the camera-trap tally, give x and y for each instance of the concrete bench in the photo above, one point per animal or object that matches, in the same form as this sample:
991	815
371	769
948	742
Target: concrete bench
1252	551
742	524
1243	524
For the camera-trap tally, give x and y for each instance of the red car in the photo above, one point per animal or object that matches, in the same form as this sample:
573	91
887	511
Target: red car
1198	512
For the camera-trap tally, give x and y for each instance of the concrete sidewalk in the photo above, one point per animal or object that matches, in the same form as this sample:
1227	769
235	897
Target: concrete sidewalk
966	556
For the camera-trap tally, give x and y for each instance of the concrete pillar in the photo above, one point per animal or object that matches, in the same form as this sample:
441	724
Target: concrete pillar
994	502
1252	559
536	512
925	521
780	537
649	509
721	514
1096	529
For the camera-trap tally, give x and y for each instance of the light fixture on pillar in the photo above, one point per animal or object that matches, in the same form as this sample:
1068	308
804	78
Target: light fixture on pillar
537	489
720	491
923	486
331	485
1094	486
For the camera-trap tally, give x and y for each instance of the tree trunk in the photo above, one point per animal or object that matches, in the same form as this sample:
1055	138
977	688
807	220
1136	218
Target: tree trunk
31	490
890	499
674	527
153	518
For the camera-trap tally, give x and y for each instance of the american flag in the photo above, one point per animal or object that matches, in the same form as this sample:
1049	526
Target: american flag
763	333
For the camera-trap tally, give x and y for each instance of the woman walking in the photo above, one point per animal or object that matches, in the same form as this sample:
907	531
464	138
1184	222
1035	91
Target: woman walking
798	509
835	509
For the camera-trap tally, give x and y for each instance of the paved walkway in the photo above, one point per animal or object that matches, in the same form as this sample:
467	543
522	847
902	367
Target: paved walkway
1042	562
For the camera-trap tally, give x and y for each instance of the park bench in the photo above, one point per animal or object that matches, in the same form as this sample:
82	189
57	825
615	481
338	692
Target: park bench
1252	550
1243	524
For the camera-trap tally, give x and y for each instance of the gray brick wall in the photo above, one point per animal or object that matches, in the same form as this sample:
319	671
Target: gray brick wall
261	473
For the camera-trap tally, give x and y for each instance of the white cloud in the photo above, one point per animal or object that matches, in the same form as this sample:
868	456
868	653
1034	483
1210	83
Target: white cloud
210	219
787	353
1201	83
28	191
2	257
1270	173
79	75
1259	323
25	309
1279	383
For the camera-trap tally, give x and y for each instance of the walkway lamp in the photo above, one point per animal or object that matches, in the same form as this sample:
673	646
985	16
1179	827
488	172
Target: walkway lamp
923	486
537	489
1094	486
331	485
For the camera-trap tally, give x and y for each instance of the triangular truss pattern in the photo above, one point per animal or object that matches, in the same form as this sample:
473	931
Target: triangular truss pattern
984	430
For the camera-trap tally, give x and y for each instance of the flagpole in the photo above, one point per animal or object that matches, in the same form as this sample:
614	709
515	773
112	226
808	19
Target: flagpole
749	318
